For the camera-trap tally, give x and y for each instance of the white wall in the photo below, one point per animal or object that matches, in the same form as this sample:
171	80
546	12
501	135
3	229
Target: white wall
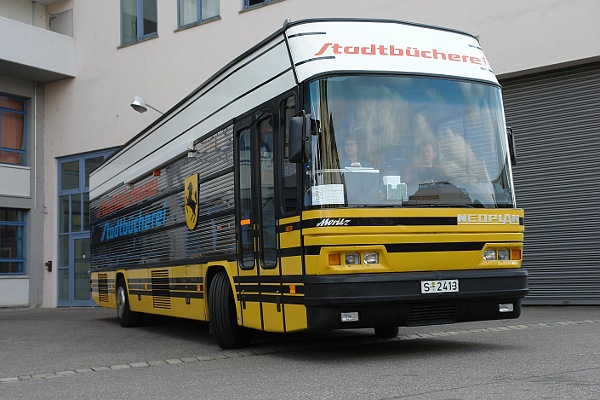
14	291
15	181
92	111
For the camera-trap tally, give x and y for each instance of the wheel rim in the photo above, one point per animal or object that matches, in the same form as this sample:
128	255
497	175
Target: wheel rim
121	302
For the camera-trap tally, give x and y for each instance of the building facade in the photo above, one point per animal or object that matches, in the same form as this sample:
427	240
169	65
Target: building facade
70	68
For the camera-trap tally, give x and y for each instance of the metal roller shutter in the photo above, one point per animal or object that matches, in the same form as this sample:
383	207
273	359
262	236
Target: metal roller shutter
556	120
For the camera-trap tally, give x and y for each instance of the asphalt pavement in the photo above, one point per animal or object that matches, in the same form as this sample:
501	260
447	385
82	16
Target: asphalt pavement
548	353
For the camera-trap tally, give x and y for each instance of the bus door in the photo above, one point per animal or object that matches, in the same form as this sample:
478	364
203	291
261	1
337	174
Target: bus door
258	283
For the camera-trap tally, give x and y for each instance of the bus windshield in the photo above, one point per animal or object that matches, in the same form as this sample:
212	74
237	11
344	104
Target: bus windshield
401	141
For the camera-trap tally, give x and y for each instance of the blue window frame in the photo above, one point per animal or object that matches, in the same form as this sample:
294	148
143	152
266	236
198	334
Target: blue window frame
251	3
73	191
13	128
193	12
74	224
139	20
12	241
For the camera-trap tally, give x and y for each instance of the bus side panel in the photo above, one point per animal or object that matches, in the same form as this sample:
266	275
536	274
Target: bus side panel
292	278
103	286
142	231
272	310
248	296
138	289
295	317
175	291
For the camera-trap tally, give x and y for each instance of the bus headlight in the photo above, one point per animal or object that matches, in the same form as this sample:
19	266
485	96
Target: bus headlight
489	255
503	254
352	258
371	258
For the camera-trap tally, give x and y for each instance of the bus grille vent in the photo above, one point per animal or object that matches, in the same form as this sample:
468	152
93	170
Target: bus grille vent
431	314
103	288
161	292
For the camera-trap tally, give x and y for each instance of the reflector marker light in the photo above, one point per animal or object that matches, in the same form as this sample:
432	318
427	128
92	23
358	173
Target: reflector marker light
349	316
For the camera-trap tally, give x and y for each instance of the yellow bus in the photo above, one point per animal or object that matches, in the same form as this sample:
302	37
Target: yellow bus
342	173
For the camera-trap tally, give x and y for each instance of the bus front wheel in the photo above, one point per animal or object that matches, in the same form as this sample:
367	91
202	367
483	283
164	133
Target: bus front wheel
222	314
127	318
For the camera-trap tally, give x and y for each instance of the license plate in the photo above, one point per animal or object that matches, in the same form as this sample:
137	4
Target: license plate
445	286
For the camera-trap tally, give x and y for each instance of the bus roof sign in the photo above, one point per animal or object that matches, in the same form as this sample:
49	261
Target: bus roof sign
319	47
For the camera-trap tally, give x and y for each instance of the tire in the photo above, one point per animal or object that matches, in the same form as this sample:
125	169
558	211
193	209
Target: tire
386	332
222	314
127	318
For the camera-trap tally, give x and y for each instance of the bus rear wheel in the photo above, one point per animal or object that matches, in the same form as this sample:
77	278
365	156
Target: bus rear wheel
127	318
222	314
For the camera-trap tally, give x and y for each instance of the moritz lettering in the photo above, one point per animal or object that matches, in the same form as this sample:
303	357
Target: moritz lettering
334	222
395	51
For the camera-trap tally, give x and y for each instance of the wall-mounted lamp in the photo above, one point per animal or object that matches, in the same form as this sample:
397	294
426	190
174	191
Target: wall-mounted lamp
140	105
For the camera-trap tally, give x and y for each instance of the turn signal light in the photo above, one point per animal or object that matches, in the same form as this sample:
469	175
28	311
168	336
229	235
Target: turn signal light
335	259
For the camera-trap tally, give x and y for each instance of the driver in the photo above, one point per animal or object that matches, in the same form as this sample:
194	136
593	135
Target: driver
424	168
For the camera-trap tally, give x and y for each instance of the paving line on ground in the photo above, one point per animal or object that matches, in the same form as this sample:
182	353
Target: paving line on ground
226	354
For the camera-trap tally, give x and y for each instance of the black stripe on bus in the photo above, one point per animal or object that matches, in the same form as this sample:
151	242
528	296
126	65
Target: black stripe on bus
290	252
259	298
287	279
194	279
149	291
433	247
314	59
384	221
187	283
413	247
172	294
243	289
306	34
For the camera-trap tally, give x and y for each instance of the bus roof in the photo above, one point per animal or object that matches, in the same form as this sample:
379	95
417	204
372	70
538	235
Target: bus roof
384	46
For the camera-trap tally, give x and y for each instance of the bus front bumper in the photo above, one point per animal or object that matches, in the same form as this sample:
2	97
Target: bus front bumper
386	300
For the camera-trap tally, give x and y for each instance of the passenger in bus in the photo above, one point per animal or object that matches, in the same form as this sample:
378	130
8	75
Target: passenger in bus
351	158
266	136
424	168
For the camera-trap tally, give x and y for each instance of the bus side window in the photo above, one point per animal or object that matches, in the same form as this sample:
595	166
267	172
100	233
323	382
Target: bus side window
268	238
289	190
245	199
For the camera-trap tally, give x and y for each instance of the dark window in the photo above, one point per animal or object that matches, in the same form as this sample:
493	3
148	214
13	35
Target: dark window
12	241
192	12
267	193
245	204
250	3
12	130
138	20
288	169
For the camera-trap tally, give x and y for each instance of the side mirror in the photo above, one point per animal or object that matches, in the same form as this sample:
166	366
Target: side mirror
511	146
299	134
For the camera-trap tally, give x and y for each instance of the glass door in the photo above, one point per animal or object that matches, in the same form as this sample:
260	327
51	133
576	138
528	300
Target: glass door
80	258
74	277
